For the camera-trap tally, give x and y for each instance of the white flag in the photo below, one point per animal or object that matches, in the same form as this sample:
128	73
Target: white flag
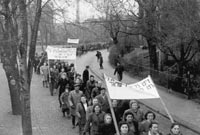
144	89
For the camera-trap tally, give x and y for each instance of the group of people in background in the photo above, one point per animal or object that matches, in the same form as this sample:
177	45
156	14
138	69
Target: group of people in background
83	99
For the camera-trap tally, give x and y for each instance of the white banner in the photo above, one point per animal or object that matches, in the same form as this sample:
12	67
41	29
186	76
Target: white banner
72	41
61	53
144	89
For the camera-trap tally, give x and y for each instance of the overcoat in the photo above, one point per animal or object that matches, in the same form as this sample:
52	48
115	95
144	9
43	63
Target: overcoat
74	99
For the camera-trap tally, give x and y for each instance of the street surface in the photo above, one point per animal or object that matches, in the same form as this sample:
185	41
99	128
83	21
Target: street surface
47	118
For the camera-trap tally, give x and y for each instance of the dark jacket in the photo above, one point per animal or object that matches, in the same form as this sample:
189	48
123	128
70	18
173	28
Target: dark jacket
95	92
108	129
119	69
103	102
138	114
85	75
96	121
62	83
80	110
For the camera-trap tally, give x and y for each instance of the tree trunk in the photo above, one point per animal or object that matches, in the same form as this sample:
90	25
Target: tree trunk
152	54
25	85
12	75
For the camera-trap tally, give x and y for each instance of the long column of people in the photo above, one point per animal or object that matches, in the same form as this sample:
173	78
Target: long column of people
83	100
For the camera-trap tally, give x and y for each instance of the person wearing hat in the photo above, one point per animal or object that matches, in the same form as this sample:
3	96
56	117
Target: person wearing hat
74	99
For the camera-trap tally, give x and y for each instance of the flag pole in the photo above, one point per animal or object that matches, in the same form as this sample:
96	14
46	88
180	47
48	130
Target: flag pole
164	105
111	109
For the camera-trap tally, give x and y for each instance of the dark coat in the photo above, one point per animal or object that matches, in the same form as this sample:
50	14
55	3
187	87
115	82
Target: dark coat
85	75
95	92
108	129
80	110
103	102
119	69
62	83
138	114
89	86
96	121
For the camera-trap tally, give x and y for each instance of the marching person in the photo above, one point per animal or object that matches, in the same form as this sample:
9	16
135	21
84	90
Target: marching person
107	127
96	90
62	83
144	125
74	99
95	121
103	100
44	70
119	71
89	86
133	126
135	109
85	77
52	81
81	110
124	128
65	102
175	129
90	108
154	129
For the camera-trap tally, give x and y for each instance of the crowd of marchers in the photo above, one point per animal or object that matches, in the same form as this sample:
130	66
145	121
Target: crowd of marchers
83	99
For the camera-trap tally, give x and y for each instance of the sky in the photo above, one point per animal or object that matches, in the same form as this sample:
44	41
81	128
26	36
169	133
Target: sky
86	10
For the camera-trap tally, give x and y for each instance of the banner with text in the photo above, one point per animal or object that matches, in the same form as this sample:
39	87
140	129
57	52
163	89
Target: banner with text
144	89
61	53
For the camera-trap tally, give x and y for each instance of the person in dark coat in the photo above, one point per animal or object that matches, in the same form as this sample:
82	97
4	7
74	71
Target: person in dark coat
175	129
107	127
81	109
89	86
62	83
96	119
98	55
119	71
96	90
74	99
101	62
103	100
85	77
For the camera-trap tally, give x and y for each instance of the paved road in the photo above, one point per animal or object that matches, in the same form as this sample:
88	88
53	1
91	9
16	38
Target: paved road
47	118
182	110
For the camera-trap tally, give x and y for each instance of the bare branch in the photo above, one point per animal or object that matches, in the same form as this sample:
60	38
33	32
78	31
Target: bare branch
45	3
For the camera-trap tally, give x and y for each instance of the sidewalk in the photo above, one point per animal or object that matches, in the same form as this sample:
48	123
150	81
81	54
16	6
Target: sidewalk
182	110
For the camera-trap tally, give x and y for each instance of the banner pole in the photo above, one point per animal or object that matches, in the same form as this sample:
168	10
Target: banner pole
111	109
164	105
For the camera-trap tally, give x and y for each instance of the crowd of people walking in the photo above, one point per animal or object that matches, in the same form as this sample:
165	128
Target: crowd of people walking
83	99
